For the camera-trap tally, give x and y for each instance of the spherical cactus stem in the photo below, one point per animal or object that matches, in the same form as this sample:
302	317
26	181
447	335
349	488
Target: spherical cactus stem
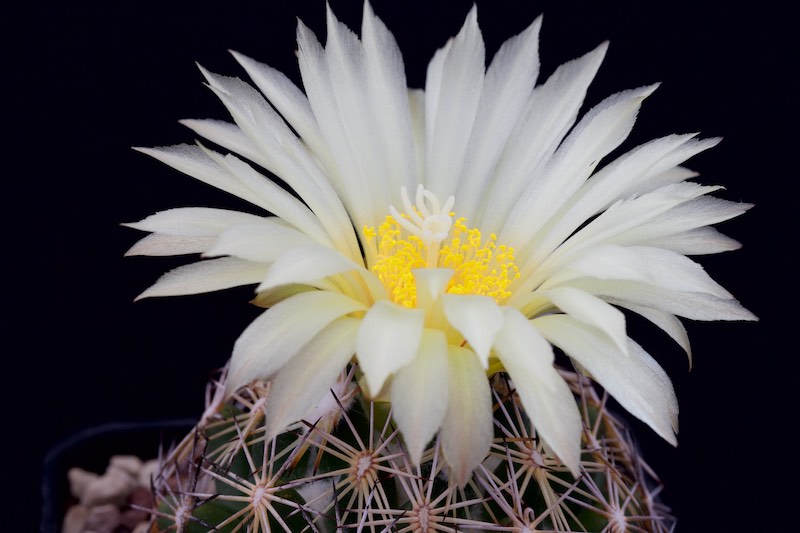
348	470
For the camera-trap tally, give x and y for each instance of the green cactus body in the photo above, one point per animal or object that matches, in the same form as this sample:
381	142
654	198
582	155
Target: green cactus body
348	470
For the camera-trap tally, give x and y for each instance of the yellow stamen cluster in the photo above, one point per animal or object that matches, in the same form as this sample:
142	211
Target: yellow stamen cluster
480	267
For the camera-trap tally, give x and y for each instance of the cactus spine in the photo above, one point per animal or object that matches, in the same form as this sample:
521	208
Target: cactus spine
347	470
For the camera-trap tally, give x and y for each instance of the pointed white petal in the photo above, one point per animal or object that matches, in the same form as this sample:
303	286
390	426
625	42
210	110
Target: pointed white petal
625	222
256	118
468	427
416	104
272	297
668	322
309	376
157	244
551	112
698	241
628	222
355	126
193	221
694	212
528	358
263	242
346	178
599	132
632	172
654	266
280	202
696	306
591	310
477	318
431	284
236	177
420	393
195	162
282	153
667	171
389	338
509	82
664	212
386	79
668	177
616	180
433	87
206	276
451	118
306	264
288	99
226	135
634	379
280	332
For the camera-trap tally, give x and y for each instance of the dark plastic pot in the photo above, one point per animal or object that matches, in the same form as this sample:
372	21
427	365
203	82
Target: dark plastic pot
91	449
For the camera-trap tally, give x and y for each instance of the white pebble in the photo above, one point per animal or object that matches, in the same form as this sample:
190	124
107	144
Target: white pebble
112	487
129	463
75	519
79	479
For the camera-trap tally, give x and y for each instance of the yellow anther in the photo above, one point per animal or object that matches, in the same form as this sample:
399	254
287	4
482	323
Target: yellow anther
482	268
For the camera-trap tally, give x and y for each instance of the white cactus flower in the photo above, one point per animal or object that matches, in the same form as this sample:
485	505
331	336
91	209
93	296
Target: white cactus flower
516	241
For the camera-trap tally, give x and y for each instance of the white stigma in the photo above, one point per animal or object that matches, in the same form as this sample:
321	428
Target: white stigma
432	229
430	221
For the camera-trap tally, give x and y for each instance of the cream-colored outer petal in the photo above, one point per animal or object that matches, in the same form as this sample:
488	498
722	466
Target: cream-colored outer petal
453	87
388	89
625	177
419	393
199	164
550	112
591	310
389	338
431	284
262	242
206	276
698	241
280	332
600	131
507	88
668	322
634	379
477	318
282	153
528	358
654	266
194	221
306	264
467	429
288	100
693	305
157	244
313	371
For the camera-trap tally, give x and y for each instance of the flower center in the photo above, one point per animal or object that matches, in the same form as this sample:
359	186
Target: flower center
426	236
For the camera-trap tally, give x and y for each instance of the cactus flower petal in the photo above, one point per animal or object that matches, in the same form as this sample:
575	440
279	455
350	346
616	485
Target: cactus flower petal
477	318
528	358
389	338
592	310
314	370
276	335
419	393
468	428
632	376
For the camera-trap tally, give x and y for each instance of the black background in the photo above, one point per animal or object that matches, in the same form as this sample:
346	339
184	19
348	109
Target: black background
85	81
